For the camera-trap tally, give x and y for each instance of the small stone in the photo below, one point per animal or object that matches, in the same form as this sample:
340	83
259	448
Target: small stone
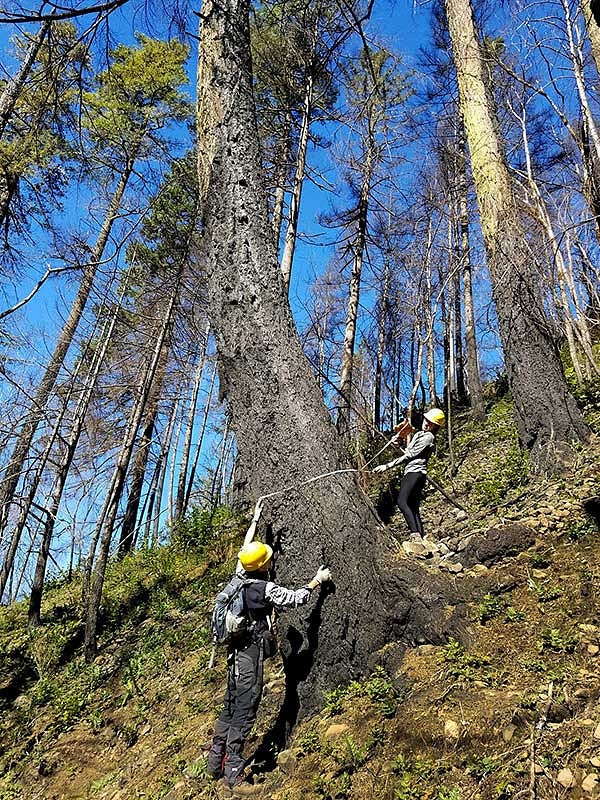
274	687
287	761
479	569
508	732
454	568
593	649
451	730
588	722
566	778
463	543
597	732
335	731
414	548
595	761
586	628
590	782
538	573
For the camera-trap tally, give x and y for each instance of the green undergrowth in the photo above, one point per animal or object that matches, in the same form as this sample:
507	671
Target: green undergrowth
488	461
448	720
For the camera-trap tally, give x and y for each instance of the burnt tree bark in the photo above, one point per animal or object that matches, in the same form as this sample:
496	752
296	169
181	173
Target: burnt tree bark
284	433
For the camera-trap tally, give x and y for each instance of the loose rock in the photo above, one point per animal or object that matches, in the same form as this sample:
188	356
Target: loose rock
566	778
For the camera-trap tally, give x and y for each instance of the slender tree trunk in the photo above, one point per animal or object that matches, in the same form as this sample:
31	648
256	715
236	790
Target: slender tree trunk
35	416
192	475
474	378
546	414
283	431
14	86
140	463
345	387
282	177
62	471
113	497
382	320
593	31
575	325
189	429
292	228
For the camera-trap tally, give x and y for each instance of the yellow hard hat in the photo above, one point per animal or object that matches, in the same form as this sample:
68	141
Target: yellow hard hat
255	555
436	415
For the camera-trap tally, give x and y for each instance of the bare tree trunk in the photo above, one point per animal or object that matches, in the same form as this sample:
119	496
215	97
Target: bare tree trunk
575	325
35	416
546	414
345	386
593	31
14	86
108	515
192	475
292	229
474	378
381	329
138	472
189	429
282	178
37	588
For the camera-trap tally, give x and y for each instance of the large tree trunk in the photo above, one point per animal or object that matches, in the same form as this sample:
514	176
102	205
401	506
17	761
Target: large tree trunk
546	414
284	434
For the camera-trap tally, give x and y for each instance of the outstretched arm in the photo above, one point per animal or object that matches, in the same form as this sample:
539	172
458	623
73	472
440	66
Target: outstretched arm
249	537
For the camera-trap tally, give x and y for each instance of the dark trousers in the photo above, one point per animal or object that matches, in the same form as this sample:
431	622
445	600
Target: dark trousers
409	500
240	706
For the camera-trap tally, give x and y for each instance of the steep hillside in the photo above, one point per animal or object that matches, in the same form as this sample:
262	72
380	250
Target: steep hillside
512	710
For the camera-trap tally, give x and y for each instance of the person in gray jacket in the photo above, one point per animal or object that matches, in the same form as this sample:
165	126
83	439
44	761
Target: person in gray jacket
415	458
246	657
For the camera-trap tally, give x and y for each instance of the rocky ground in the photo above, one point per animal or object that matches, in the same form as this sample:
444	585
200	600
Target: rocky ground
512	710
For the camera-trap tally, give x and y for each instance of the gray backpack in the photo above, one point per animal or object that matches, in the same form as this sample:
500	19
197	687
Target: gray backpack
230	620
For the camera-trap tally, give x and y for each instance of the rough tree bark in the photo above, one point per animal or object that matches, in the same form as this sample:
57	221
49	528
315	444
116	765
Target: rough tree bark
545	412
284	434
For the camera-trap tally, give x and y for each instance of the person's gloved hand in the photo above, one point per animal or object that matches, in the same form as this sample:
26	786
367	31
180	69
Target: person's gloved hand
323	574
381	468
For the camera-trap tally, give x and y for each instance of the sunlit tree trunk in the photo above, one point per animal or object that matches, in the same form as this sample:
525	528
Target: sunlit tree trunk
291	231
345	385
474	378
546	414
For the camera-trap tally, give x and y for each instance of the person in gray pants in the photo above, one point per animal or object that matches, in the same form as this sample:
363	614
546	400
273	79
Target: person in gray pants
246	657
